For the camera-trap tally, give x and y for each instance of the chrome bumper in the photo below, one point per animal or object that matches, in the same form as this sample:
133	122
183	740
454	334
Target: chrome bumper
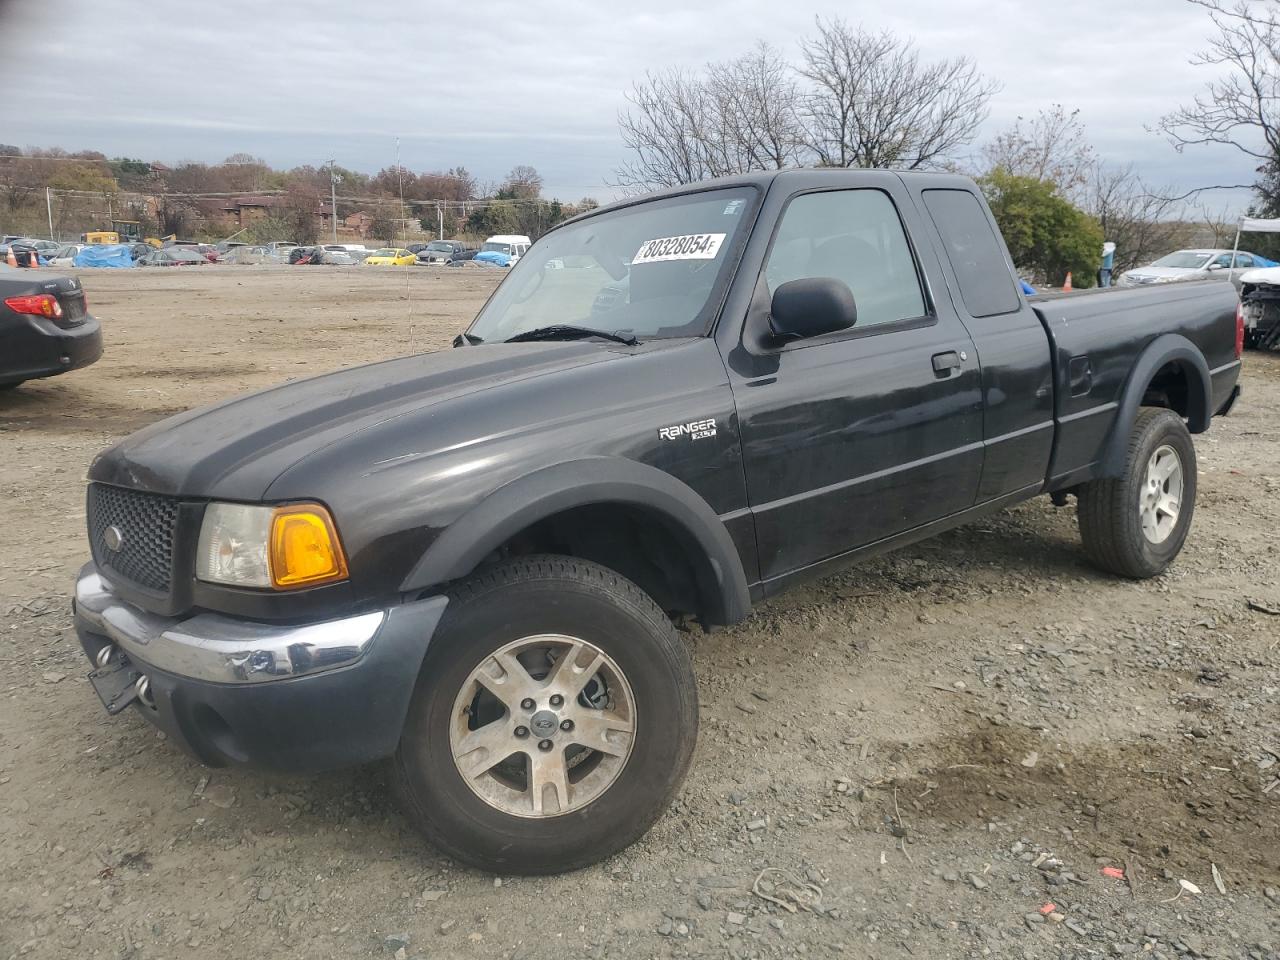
218	649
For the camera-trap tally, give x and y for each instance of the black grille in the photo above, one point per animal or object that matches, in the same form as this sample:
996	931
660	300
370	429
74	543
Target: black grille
147	523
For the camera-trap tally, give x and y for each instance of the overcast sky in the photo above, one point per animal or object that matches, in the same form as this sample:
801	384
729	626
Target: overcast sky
493	83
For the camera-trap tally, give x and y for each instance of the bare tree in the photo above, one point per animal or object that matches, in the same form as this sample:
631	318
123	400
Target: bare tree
742	115
1241	108
1051	146
666	130
754	103
874	103
522	183
1134	216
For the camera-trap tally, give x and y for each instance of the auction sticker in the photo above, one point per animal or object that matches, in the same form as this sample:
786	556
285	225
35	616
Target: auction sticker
691	246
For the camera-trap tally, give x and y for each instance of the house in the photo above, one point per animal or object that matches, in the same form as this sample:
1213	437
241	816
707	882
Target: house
359	223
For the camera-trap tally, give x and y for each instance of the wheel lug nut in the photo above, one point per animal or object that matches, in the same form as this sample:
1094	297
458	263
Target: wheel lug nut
557	700
566	725
527	703
544	745
522	731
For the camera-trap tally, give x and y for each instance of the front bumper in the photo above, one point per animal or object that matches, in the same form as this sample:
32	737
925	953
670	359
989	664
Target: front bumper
308	696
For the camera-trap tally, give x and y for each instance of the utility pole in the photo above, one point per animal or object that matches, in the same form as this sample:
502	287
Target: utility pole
440	217
334	180
48	206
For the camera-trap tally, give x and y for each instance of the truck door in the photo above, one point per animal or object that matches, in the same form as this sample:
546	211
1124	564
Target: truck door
852	437
1012	346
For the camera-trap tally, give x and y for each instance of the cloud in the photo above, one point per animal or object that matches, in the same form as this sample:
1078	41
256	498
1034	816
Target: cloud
507	82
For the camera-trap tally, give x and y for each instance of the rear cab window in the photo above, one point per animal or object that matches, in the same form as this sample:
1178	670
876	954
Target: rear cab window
986	284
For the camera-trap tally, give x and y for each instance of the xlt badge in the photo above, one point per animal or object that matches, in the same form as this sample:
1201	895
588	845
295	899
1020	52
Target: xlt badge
694	430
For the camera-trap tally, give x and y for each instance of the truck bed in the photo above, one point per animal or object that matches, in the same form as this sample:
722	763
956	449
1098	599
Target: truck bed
1095	334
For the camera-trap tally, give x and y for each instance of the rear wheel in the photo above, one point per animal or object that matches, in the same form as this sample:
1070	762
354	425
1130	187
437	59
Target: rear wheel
1135	525
555	717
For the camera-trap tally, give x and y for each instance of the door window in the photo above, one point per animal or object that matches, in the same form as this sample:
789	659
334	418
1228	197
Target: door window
855	236
986	285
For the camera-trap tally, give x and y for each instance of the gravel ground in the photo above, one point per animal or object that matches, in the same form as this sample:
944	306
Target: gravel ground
975	747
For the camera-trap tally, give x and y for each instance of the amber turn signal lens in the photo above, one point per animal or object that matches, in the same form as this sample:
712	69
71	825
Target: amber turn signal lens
305	551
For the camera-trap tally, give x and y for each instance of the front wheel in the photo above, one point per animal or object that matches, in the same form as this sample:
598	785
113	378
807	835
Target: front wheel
1135	525
554	718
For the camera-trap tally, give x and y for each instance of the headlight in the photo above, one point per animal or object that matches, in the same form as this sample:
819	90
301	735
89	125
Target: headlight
269	547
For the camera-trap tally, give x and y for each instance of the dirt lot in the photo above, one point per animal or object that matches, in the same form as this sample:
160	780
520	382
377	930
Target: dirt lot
927	750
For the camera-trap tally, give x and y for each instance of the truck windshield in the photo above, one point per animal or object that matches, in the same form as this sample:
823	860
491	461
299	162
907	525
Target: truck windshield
648	270
440	246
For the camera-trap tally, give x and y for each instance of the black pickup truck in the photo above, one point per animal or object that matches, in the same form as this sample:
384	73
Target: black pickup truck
469	561
45	326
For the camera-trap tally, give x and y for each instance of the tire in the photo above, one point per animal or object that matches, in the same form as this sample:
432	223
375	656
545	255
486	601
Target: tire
647	670
1118	536
11	386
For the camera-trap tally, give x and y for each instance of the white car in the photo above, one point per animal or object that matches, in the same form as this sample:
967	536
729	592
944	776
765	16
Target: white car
514	245
65	255
1186	265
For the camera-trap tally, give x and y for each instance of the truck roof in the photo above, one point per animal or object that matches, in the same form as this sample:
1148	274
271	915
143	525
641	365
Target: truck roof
794	178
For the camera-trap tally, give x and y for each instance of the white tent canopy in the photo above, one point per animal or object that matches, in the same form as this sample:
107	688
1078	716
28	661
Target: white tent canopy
1256	225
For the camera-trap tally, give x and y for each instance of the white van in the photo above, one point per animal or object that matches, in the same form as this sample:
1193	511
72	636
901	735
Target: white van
513	245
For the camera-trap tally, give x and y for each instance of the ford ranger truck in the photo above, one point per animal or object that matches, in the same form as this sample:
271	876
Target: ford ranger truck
467	563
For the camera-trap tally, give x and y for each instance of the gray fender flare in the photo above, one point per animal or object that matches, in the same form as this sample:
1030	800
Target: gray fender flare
1167	348
548	491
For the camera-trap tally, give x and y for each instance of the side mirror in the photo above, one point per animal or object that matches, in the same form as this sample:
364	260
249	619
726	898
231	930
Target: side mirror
811	307
1217	266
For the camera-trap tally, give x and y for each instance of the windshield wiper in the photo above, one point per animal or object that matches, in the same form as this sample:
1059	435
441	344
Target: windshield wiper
567	331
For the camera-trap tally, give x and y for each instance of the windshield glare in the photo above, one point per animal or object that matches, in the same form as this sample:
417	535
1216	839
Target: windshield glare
1186	259
490	247
647	270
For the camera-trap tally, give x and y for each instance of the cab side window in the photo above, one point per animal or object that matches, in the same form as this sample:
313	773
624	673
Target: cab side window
855	236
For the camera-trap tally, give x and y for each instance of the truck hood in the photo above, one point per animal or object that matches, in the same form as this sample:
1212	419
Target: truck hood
235	449
1267	275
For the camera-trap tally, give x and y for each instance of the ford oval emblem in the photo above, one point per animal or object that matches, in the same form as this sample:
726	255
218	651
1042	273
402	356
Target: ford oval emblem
113	537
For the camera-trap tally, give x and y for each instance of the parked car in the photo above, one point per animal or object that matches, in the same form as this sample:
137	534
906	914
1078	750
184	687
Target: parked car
173	257
25	248
320	255
246	255
1260	302
64	255
415	247
512	245
344	254
45	327
442	251
467	561
1186	265
391	257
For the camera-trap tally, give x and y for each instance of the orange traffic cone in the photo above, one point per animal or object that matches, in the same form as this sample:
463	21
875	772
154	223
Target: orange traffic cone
33	261
11	260
1066	287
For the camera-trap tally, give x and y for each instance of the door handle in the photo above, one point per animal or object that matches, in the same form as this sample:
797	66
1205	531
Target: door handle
944	363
